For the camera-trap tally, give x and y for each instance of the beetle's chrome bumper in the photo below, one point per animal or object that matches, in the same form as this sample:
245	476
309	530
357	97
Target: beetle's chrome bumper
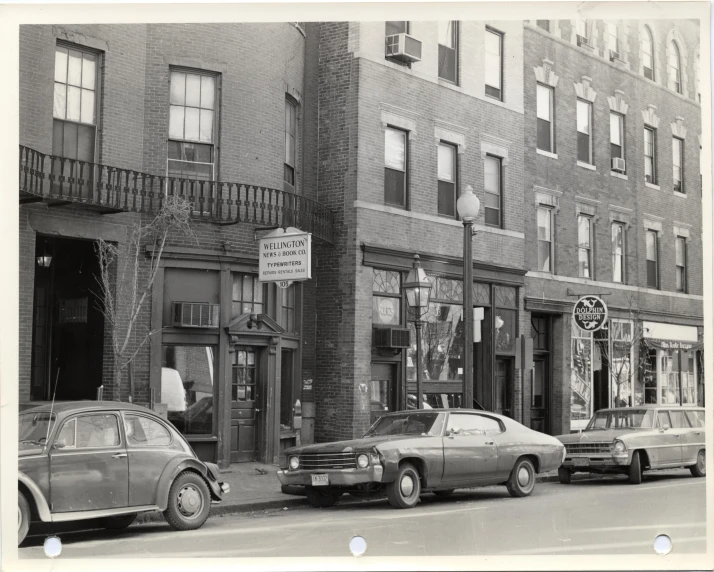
225	487
337	477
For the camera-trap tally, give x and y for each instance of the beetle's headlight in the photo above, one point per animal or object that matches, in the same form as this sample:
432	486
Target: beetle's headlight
374	458
619	446
294	462
362	461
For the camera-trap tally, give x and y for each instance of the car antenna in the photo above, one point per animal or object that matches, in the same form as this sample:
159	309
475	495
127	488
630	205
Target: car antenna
49	421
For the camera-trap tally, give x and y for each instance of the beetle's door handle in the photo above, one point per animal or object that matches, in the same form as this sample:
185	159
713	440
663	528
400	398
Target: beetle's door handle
118	455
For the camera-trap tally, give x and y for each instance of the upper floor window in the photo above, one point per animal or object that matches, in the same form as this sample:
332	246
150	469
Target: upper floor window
582	31
395	167
613	40
448	50
675	81
494	64
386	297
617	141
192	116
544	113
446	179
618	252
290	137
393	28
545	24
75	103
584	113
650	155
585	246
494	192
545	239
680	256
677	164
287	309
648	54
248	295
652	251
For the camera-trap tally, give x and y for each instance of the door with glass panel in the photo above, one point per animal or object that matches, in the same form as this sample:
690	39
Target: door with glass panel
245	408
382	390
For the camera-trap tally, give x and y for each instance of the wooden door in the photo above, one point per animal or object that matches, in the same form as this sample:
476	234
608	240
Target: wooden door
540	390
245	406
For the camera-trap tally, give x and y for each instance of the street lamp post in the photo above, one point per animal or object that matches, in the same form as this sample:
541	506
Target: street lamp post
467	207
418	289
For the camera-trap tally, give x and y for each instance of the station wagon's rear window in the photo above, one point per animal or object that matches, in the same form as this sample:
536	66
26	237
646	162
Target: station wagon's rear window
696	418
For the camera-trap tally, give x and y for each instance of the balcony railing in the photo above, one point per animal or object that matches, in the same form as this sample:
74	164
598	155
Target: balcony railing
60	181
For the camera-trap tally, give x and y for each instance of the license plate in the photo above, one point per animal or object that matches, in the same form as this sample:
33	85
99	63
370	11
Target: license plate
581	462
320	480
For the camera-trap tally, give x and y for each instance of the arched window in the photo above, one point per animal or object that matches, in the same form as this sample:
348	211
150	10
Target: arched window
647	54
675	82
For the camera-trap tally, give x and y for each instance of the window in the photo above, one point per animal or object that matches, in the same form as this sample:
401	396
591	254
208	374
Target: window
696	418
584	113
289	393
494	64
677	162
544	24
545	239
395	167
494	193
618	252
506	321
647	54
650	155
75	103
663	419
675	81
581	29
613	42
145	432
446	179
584	247
581	377
680	247
544	113
90	432
679	420
243	382
471	424
448	50
248	295
287	307
391	39
191	153
290	137
617	139
393	28
386	298
652	259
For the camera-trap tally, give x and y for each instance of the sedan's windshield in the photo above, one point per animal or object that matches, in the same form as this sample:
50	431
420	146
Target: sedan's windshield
630	419
33	427
408	424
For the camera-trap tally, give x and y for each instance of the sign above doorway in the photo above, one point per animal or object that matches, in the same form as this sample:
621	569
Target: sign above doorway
285	256
590	313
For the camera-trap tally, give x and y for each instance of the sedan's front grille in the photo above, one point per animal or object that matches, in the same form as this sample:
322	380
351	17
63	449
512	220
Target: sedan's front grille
317	461
581	448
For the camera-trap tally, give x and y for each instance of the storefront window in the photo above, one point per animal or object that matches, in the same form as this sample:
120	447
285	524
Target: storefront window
689	383
620	365
386	298
248	295
668	379
581	376
505	323
442	342
188	387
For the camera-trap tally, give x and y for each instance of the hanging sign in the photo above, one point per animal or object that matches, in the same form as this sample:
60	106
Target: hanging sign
590	313
285	256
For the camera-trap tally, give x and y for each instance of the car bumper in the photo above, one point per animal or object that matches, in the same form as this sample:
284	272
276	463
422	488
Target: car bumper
336	477
594	461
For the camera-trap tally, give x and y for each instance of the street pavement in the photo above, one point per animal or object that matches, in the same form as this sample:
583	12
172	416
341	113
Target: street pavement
599	516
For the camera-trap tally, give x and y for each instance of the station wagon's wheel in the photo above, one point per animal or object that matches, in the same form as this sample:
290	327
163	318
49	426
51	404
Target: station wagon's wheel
23	517
119	522
635	471
189	502
564	476
700	469
320	498
523	478
444	493
404	491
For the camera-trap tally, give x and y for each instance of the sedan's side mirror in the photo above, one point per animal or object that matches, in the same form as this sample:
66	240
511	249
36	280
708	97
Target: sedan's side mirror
664	427
454	431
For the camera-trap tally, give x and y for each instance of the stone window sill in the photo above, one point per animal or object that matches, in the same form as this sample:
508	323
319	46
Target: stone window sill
586	166
619	175
651	186
547	153
680	195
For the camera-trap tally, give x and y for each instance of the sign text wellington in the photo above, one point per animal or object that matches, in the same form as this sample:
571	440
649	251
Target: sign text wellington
590	313
285	257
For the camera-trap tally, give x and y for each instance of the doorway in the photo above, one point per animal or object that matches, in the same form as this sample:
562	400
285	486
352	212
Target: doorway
245	404
382	390
68	323
540	379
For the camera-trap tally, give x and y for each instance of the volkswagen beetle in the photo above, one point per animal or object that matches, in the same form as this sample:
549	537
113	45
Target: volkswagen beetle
110	461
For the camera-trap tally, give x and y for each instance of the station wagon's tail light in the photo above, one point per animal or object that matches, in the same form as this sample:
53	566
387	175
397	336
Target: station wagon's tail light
619	446
362	461
294	462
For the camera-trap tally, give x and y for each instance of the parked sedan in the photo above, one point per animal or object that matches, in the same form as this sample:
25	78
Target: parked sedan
630	440
100	459
412	452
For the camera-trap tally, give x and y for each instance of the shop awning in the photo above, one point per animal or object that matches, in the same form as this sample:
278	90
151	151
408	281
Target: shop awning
658	344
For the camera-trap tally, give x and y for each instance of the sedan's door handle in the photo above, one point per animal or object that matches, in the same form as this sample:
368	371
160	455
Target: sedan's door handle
118	455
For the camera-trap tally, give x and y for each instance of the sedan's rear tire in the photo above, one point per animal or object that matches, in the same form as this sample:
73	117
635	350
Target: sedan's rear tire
700	469
189	502
564	476
320	498
404	491
635	472
118	522
23	517
523	478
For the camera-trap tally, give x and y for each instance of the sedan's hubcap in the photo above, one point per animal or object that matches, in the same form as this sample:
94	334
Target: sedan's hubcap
190	502
407	485
524	476
701	461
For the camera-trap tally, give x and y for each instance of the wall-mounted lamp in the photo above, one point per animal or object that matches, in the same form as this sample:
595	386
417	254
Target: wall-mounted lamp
45	259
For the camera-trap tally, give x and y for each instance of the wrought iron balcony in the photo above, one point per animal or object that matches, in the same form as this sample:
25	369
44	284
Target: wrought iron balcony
59	181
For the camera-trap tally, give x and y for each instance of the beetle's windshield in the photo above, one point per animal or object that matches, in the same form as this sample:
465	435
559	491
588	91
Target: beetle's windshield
34	427
626	419
408	424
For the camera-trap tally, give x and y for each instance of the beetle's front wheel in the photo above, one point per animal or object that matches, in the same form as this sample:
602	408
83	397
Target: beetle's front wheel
189	502
23	517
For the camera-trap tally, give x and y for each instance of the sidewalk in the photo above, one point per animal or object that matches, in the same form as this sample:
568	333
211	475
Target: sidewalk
255	487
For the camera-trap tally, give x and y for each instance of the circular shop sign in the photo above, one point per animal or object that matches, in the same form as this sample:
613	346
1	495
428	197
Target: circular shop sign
590	313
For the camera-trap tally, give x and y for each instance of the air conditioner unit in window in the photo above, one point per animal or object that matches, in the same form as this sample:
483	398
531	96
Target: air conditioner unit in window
195	314
678	186
391	337
618	164
614	56
582	41
403	47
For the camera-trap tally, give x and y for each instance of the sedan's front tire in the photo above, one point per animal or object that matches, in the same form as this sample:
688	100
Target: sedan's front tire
523	478
23	517
320	498
700	469
564	476
404	491
189	502
635	471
